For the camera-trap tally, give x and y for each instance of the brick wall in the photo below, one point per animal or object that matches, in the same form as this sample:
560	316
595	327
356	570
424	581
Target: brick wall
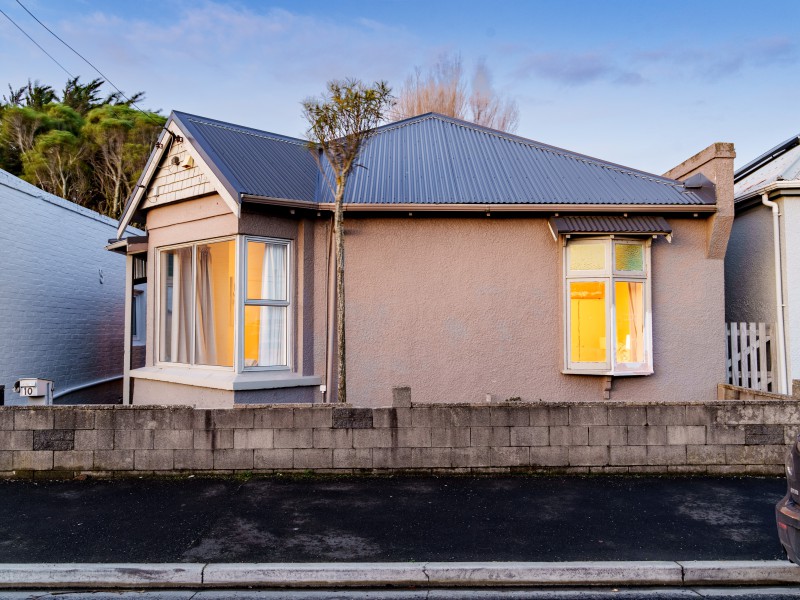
723	437
62	295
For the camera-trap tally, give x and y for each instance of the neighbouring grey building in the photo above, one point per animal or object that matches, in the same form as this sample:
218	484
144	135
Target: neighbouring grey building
762	273
62	296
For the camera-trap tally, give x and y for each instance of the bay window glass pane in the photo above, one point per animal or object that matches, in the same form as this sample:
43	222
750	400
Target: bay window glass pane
265	336
629	297
266	271
214	304
587	307
175	305
587	257
628	257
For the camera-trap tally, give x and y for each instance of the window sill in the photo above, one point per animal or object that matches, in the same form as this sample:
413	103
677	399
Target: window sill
226	380
607	373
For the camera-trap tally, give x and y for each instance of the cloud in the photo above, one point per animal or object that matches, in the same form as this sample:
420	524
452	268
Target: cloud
721	61
577	69
634	68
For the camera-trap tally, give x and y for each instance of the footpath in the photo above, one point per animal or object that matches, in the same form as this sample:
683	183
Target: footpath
398	531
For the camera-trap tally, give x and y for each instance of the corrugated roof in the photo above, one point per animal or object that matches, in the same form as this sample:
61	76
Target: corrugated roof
433	159
256	162
430	159
603	224
781	163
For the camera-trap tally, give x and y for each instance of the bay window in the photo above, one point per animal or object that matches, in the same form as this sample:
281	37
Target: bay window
607	307
266	304
225	304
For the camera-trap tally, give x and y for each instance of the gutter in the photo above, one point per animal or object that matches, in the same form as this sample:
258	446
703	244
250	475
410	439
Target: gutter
754	198
536	208
779	306
482	207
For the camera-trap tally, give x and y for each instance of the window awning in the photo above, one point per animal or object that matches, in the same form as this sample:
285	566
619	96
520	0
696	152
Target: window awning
605	225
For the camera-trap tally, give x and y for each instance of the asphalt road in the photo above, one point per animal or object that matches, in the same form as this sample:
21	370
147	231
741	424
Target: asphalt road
389	519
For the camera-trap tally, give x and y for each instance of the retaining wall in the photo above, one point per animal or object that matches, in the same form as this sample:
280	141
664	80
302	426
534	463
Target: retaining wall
720	437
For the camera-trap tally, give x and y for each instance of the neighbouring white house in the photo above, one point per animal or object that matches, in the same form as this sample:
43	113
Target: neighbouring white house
762	273
62	296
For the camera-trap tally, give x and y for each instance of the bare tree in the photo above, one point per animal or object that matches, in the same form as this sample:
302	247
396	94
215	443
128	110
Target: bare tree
486	107
443	89
340	123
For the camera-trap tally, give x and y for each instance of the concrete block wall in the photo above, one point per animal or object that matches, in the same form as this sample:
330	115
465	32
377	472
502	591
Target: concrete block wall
723	437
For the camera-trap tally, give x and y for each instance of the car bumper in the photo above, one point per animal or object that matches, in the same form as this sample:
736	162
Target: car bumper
787	513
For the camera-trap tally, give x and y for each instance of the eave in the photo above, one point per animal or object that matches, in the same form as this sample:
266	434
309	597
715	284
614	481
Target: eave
754	198
407	207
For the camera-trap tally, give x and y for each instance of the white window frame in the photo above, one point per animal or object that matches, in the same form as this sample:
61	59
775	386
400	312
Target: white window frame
139	313
237	337
608	275
244	301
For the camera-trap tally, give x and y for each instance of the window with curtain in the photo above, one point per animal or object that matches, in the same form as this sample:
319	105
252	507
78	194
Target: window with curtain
266	304
608	307
197	303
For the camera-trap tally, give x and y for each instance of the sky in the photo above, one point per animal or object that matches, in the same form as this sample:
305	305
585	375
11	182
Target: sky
645	84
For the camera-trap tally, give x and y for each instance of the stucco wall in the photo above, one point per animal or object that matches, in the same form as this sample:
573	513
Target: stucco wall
461	307
60	319
458	308
750	268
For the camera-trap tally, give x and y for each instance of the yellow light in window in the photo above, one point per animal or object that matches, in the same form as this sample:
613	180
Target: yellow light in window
588	321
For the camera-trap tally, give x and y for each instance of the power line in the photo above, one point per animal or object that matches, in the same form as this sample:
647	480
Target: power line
37	43
105	77
86	60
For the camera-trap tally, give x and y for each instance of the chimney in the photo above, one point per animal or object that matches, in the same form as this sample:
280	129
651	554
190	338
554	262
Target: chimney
716	164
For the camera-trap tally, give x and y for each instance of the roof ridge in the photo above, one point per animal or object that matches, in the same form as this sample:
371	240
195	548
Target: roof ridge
259	133
535	144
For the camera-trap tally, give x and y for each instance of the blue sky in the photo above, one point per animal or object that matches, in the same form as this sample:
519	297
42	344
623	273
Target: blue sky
645	84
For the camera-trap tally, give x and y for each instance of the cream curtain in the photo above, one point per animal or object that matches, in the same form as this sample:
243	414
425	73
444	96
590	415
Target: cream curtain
630	342
180	309
205	340
272	319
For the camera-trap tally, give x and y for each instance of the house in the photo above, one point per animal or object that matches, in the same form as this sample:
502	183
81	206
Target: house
61	296
762	307
479	266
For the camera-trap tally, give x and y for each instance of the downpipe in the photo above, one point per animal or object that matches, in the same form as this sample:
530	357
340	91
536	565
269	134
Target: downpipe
783	386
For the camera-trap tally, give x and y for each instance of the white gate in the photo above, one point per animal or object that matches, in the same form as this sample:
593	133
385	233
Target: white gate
750	355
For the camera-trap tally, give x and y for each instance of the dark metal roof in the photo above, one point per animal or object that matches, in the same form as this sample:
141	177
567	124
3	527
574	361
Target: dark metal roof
255	162
430	159
602	224
433	159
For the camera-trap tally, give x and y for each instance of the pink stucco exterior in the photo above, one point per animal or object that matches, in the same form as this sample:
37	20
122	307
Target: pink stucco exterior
458	308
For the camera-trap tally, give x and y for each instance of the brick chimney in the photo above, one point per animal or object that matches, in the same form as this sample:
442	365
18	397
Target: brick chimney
715	163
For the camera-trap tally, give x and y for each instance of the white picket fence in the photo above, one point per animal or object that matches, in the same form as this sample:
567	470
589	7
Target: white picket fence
749	351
